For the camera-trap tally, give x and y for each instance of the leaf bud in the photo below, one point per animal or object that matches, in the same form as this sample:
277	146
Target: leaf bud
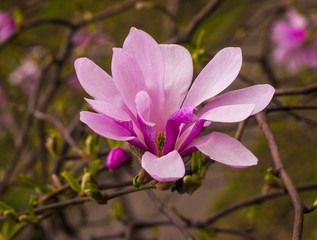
163	186
95	194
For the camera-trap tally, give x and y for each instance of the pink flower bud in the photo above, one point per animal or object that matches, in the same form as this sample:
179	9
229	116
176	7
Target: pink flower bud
116	158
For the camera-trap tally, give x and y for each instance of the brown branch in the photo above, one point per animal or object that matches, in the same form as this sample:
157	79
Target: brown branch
254	200
69	23
298	207
293	91
108	12
192	26
174	219
292	107
63	131
79	200
240	129
240	233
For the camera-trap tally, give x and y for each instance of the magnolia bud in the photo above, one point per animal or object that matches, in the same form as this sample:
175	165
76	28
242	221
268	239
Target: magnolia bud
116	158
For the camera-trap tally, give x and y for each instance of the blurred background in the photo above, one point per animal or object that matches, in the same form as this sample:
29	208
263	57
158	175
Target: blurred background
41	135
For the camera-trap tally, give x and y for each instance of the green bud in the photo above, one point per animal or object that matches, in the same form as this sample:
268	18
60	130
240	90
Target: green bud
142	178
192	184
24	218
272	180
95	194
163	186
53	142
315	203
137	181
85	179
32	201
9	213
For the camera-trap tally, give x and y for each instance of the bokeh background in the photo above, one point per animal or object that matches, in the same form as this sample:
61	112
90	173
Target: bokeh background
41	135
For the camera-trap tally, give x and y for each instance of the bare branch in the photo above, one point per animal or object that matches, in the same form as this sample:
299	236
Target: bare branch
174	219
192	26
297	203
293	91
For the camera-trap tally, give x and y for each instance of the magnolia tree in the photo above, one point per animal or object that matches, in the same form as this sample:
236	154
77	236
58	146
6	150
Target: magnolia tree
203	127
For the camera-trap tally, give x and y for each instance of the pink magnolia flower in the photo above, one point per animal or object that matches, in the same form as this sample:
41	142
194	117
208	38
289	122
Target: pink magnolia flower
294	45
29	72
116	158
147	103
7	26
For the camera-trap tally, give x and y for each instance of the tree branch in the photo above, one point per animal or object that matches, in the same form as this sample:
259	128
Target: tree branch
298	218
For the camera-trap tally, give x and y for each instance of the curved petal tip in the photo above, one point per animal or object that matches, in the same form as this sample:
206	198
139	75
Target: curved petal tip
167	168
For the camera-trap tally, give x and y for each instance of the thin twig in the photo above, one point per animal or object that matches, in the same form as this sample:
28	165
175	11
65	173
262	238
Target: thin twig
292	107
64	132
174	219
297	203
240	129
254	200
294	91
192	26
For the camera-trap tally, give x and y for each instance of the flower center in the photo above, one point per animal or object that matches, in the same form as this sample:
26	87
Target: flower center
161	140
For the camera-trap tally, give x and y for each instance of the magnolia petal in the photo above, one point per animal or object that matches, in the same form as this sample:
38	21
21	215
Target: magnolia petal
105	126
183	115
167	168
127	76
224	149
219	73
116	114
260	95
144	106
96	82
108	110
178	76
189	134
229	113
148	55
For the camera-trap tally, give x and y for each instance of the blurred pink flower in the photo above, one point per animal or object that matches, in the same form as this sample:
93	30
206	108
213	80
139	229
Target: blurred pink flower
84	38
28	73
7	26
80	39
147	103
294	45
116	158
